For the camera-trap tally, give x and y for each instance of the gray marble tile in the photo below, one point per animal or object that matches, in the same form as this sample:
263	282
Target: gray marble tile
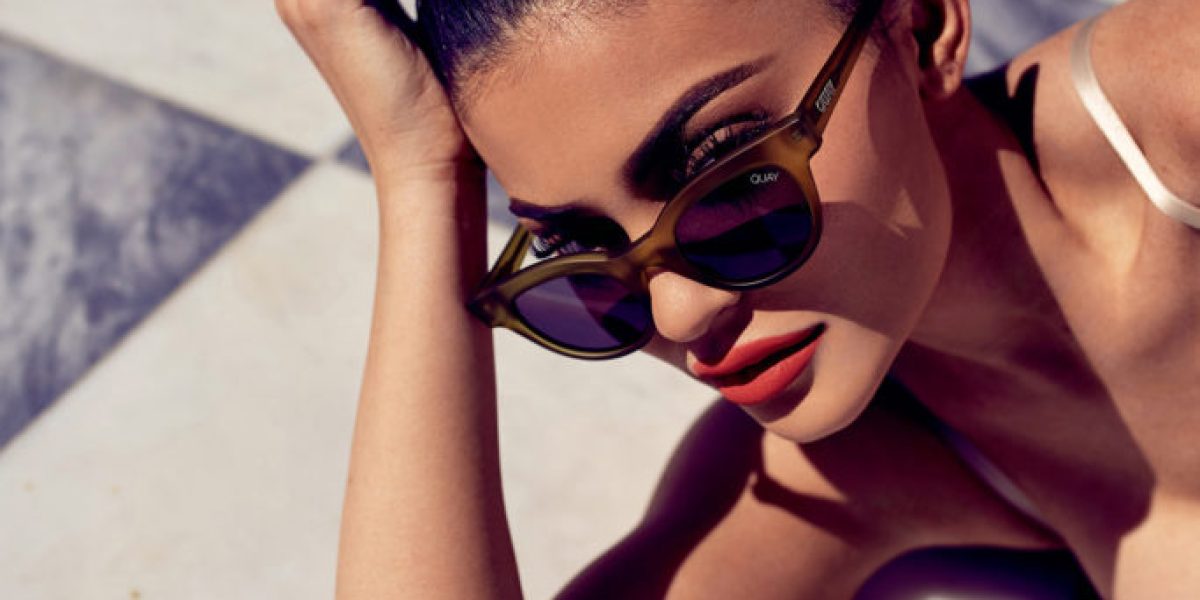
351	154
109	199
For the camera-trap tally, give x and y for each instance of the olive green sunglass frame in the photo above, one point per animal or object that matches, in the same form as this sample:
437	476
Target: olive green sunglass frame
788	145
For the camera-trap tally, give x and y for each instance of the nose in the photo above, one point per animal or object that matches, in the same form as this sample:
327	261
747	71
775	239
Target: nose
683	309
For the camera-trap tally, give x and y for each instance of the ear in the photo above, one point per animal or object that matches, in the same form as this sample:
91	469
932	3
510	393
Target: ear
941	31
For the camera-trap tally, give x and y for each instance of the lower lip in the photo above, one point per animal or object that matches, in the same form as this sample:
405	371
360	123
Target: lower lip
774	380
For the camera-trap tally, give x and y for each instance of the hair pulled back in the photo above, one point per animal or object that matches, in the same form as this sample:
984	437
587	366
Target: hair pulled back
464	37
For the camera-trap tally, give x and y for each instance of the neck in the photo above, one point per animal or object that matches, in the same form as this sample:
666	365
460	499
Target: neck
993	306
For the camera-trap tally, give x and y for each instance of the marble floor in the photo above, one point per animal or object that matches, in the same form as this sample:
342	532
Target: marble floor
188	241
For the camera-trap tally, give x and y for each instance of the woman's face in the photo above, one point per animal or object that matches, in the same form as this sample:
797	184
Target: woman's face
569	103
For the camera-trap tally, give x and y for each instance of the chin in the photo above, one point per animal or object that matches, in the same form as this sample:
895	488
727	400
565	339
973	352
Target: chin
834	393
804	426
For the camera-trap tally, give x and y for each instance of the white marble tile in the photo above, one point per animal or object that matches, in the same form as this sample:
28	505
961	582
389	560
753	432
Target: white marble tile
583	446
205	456
232	60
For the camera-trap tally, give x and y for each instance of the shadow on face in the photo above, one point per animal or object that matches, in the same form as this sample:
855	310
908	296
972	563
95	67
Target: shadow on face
559	121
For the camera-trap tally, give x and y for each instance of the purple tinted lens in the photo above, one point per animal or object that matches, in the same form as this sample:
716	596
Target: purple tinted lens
754	225
588	311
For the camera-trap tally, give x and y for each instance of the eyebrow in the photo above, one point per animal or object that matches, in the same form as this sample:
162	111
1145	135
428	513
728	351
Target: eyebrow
667	133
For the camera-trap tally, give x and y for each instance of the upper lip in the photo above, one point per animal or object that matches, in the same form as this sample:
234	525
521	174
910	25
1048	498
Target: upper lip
746	356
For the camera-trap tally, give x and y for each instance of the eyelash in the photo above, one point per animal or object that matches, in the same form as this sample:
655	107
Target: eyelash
719	143
554	243
723	139
594	234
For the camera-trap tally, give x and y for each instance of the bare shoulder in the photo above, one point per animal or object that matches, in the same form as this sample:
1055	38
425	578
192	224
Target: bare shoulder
742	513
1146	54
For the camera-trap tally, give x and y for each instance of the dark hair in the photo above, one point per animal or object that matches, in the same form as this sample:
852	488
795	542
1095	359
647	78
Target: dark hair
463	37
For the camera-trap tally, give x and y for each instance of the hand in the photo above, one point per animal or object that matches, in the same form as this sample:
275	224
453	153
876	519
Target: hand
366	53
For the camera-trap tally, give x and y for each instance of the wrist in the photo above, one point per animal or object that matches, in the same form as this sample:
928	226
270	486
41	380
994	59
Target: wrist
430	175
448	158
435	225
452	191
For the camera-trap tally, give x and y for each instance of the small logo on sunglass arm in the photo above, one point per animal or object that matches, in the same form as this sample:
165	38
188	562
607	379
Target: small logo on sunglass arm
761	178
826	96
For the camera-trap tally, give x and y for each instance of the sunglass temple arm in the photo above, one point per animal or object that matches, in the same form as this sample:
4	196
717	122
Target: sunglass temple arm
823	95
510	258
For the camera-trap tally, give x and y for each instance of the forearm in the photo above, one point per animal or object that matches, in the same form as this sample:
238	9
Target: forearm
424	514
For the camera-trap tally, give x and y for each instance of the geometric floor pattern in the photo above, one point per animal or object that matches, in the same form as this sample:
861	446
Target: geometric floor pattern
111	198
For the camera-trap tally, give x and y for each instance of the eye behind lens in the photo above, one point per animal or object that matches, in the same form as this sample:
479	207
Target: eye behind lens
589	312
749	228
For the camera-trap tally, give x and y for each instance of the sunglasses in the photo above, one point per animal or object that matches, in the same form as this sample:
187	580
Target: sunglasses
747	221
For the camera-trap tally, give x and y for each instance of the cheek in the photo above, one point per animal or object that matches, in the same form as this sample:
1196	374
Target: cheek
880	255
886	212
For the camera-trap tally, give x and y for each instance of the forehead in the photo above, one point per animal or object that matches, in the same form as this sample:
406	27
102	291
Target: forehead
556	119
